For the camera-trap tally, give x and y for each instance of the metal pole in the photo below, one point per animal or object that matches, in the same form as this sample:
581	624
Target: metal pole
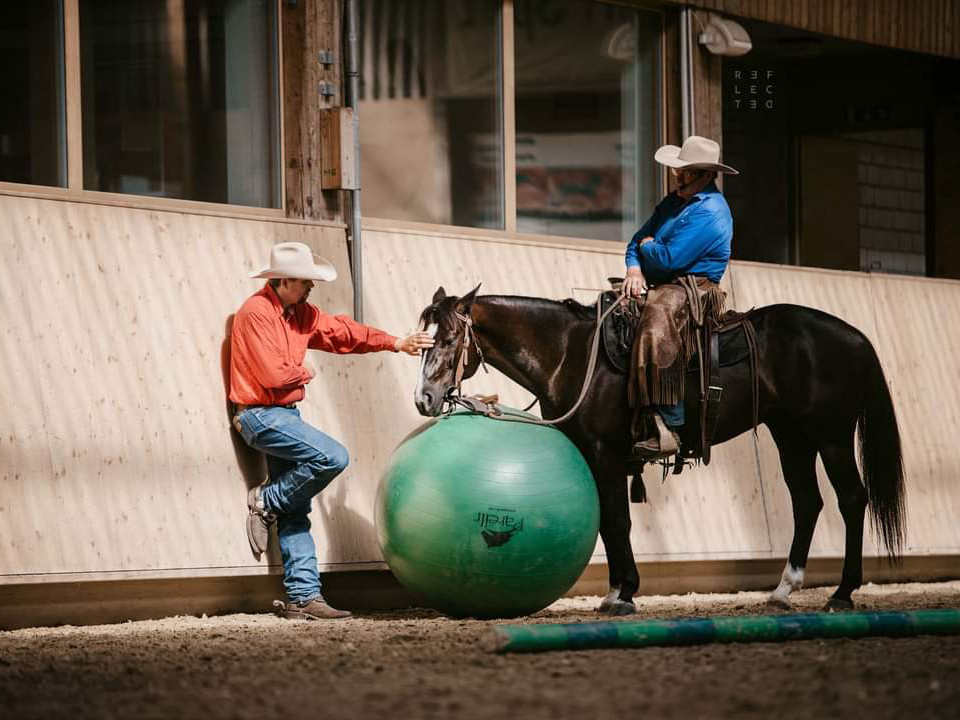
352	61
764	628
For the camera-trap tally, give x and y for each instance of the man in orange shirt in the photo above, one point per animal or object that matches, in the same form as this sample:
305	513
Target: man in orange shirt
272	331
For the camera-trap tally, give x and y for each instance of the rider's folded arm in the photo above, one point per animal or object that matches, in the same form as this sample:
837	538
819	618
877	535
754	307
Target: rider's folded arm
680	248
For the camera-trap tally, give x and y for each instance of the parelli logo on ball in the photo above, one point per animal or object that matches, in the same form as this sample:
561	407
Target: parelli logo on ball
753	89
498	525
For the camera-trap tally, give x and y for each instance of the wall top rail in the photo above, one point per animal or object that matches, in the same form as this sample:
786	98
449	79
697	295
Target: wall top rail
155	204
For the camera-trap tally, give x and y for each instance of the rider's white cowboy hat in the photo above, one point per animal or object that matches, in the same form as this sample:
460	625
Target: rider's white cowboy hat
294	260
697	153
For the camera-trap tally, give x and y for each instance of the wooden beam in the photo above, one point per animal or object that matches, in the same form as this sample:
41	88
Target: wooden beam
71	47
928	27
307	28
509	121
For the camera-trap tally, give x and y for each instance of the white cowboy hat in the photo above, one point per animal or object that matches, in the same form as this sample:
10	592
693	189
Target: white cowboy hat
294	260
698	153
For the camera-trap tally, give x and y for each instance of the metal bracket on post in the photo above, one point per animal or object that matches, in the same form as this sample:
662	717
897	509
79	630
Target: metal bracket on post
326	89
326	57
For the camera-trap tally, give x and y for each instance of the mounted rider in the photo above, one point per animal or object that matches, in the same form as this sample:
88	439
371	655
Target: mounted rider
678	257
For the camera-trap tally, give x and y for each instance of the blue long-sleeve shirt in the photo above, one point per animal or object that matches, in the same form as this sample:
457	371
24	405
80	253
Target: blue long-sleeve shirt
690	237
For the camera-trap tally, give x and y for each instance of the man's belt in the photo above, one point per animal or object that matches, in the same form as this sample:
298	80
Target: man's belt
240	408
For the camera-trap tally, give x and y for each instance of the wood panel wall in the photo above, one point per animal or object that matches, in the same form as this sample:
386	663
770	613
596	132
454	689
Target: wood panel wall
927	26
116	452
118	460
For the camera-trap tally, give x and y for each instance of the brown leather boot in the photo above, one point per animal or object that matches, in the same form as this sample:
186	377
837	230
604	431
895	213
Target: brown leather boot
315	609
664	444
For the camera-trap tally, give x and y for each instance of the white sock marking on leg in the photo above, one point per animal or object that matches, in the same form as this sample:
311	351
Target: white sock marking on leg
790	580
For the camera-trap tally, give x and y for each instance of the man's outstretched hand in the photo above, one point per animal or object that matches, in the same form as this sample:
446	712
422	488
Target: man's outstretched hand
414	344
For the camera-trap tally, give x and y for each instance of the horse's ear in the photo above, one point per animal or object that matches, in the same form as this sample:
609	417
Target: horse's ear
465	304
439	295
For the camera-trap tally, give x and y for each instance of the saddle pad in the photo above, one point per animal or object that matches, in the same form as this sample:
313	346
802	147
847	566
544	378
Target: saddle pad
733	349
733	346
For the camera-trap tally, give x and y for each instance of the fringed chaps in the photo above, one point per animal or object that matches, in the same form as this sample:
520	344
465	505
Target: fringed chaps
666	338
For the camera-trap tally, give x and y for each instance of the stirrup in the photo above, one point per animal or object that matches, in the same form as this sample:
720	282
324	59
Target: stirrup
667	443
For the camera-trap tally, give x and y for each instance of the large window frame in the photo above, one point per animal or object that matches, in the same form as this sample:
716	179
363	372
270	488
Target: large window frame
75	191
509	134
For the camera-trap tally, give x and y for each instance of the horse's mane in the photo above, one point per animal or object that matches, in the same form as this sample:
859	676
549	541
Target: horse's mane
443	312
581	311
577	309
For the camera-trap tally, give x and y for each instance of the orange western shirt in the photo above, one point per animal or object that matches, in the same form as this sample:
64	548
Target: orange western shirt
267	347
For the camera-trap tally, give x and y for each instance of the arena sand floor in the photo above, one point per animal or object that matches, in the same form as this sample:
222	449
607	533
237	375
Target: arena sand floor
416	664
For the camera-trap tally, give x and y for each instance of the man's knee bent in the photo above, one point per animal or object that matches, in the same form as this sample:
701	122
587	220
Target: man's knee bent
333	460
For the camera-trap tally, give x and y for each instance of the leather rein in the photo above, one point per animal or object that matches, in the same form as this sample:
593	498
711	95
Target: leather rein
475	404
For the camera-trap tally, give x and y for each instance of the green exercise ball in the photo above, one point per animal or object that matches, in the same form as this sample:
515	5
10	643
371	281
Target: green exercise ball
487	518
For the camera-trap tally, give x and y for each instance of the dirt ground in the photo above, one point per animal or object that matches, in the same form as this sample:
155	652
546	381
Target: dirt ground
417	664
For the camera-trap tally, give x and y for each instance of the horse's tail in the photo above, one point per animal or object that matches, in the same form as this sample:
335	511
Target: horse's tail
881	461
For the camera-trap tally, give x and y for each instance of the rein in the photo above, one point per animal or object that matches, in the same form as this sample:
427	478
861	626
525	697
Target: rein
454	397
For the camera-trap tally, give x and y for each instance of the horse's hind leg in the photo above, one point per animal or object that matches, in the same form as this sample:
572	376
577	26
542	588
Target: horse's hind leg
841	466
798	459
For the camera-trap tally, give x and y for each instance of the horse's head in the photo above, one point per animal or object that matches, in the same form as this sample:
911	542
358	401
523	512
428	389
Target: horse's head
451	359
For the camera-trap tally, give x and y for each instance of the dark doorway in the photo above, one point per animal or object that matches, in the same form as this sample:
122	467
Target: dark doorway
831	138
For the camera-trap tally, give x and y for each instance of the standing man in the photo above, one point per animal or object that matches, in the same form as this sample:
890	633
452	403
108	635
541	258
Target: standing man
272	331
689	234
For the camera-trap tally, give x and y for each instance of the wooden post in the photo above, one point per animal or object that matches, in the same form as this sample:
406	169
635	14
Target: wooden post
309	27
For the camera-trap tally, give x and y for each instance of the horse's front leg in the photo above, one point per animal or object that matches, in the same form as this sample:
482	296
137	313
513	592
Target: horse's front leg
615	533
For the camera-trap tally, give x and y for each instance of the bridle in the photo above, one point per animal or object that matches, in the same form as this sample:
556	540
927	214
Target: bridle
454	397
463	353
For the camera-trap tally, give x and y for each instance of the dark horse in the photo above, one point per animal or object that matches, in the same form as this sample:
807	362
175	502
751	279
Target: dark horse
820	380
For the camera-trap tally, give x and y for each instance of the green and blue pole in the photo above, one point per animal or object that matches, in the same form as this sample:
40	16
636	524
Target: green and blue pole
757	628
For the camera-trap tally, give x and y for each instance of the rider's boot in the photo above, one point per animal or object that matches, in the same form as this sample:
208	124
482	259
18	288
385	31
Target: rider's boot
663	444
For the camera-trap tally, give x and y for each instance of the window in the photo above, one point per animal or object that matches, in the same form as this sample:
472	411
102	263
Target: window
430	114
180	99
587	117
585	92
32	125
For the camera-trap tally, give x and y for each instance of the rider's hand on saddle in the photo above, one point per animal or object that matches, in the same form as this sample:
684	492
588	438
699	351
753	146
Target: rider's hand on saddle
634	284
413	344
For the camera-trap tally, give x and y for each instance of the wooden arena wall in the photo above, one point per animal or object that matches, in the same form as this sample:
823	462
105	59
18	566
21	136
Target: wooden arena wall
117	460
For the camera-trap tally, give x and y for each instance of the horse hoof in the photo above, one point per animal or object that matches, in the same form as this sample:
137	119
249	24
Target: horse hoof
776	603
608	601
838	605
620	607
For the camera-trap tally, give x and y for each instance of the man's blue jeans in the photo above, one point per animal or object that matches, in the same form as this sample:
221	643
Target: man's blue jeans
301	461
672	415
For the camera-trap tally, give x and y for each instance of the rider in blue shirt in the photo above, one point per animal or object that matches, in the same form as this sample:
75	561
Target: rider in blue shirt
689	237
689	233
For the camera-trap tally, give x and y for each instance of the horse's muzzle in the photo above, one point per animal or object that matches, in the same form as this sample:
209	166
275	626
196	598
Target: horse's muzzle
429	403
